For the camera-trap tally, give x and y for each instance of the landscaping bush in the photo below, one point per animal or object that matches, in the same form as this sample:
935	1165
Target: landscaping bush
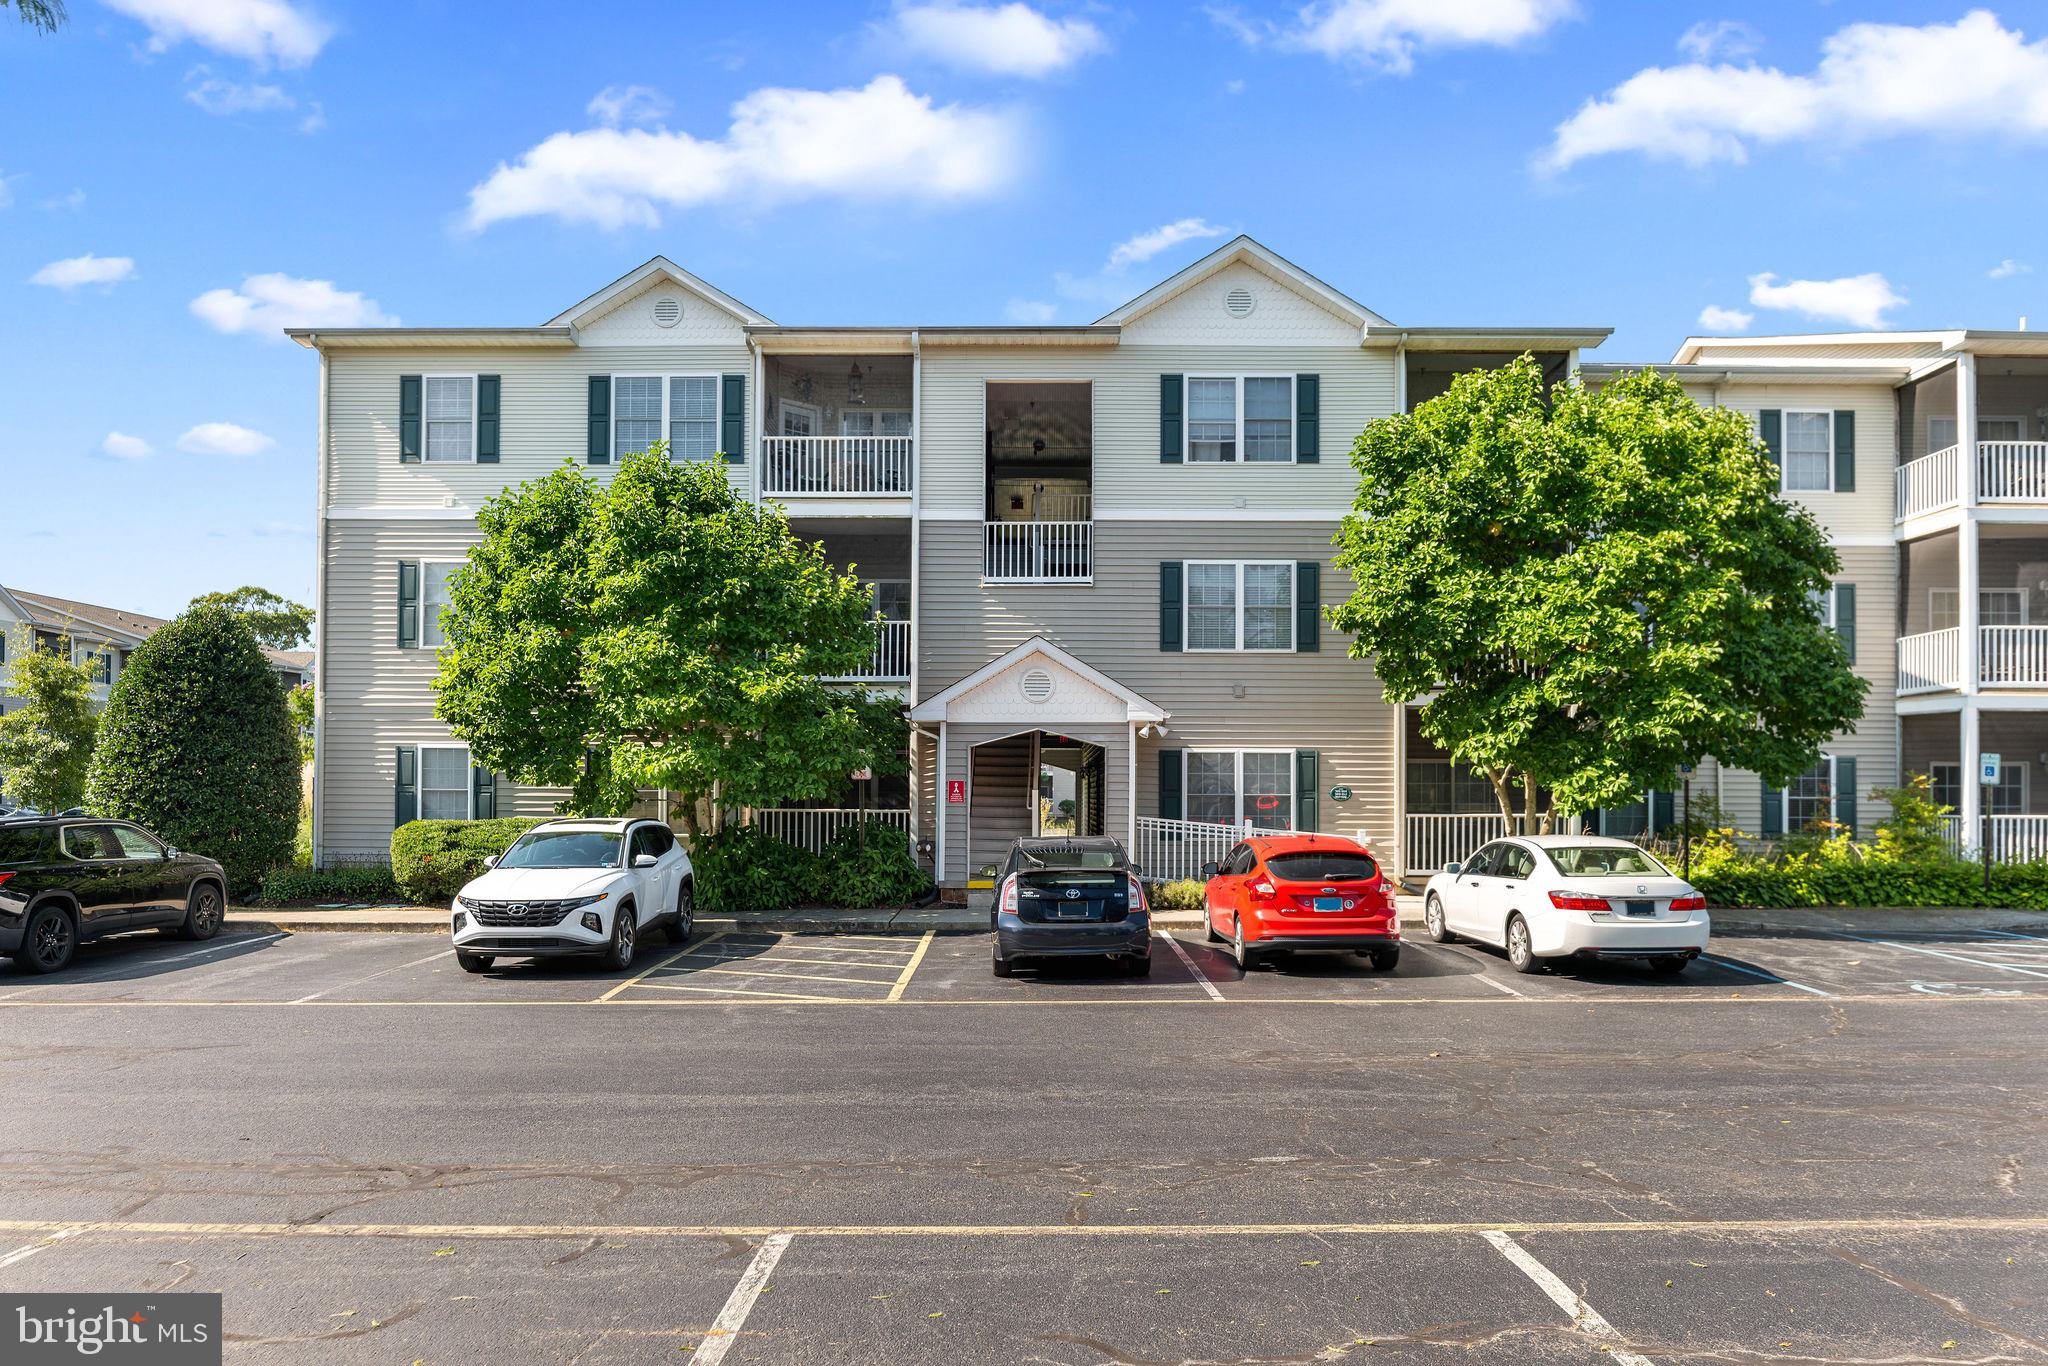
875	871
743	868
1183	895
355	882
432	859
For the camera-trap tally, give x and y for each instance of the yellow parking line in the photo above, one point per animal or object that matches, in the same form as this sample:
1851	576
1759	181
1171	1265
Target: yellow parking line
709	939
910	968
730	992
787	946
776	951
794	976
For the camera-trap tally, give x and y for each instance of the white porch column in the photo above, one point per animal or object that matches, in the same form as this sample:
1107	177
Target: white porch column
1966	531
1131	787
944	813
1973	792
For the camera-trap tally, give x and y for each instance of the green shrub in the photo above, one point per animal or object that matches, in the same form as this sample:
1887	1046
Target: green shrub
371	882
869	867
743	868
1183	895
197	745
432	859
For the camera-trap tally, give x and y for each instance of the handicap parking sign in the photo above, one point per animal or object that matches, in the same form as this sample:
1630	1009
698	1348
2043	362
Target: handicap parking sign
1987	769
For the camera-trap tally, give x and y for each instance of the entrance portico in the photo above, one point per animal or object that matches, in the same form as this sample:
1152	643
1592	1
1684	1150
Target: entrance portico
1034	708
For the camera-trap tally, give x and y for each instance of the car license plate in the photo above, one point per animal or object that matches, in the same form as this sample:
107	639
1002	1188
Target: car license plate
1072	910
1329	903
1641	907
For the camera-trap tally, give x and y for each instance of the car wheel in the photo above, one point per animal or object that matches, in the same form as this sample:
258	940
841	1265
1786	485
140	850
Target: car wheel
202	914
625	945
47	941
685	923
1385	960
1433	919
1668	967
1209	926
1138	966
474	962
999	965
1247	957
1521	953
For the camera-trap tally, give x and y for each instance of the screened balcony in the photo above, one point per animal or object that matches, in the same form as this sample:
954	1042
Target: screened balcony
837	427
1039	524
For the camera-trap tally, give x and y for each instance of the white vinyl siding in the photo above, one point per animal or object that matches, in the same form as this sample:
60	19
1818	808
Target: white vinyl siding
450	419
1239	606
444	783
434	600
1240	418
1238	787
1809	451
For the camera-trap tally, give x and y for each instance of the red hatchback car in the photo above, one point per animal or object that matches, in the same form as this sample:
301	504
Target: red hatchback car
1293	892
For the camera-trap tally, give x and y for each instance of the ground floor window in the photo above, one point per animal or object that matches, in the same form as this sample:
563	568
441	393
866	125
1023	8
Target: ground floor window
1441	787
1236	787
444	783
2008	797
1806	796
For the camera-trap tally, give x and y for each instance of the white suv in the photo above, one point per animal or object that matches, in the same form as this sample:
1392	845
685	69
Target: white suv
576	887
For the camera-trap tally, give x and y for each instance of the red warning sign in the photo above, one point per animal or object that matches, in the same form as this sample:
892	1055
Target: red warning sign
956	792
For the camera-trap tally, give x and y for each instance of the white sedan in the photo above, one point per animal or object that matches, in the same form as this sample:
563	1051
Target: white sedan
1569	896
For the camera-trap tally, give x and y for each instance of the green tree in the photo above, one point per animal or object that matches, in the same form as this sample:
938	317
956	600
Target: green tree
41	15
1598	586
46	744
278	622
659	631
299	702
197	744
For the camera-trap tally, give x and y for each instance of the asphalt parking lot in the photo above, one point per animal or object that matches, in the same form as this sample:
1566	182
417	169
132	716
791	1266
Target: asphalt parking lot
861	1148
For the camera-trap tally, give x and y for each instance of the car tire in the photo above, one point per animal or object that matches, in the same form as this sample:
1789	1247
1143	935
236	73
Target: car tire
1385	960
474	962
1668	966
1521	951
1138	966
1433	921
625	942
1209	927
999	965
47	941
1247	956
685	924
203	913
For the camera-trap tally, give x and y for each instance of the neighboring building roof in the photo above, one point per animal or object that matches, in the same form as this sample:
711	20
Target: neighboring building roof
1489	338
42	610
1888	372
1924	345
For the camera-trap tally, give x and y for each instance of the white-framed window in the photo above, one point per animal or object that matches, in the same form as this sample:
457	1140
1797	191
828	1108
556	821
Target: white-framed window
434	575
1995	607
1234	419
98	661
796	419
1809	798
450	437
692	417
1809	454
874	422
445	791
1238	605
2007	797
1941	431
1238	787
683	409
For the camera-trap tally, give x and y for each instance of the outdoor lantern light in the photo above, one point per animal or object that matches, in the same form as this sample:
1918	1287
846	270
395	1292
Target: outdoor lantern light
854	393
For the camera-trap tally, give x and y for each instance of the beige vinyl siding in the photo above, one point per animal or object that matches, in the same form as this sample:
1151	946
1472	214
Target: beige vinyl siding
1862	516
1128	477
376	696
544	402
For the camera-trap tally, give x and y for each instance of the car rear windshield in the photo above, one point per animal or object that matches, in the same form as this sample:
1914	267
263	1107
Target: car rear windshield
1321	866
563	849
1605	860
1069	858
20	846
1087	879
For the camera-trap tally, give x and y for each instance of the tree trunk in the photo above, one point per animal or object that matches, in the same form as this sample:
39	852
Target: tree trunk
1499	778
1529	806
689	805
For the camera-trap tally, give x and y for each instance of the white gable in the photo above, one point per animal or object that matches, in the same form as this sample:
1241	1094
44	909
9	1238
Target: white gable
642	317
1211	312
1037	684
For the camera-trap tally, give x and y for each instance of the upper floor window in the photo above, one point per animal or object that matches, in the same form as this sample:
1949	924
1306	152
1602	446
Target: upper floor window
1809	452
682	407
1240	418
451	419
1231	606
1941	431
98	663
434	600
692	417
636	413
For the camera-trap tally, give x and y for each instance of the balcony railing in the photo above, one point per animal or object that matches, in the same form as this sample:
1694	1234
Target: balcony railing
813	829
2012	839
1931	661
1170	851
2012	471
891	659
2012	656
1038	552
1437	840
1930	483
837	466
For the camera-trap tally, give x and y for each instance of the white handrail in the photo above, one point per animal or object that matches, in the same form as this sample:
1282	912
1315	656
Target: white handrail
2012	656
2012	471
1931	661
828	465
891	657
1437	838
1932	482
1175	850
812	828
1037	552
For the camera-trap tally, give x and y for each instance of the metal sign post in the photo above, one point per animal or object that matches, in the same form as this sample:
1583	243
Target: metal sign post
1987	775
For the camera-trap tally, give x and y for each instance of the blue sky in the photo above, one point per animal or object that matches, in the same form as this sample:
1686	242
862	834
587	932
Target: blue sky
181	176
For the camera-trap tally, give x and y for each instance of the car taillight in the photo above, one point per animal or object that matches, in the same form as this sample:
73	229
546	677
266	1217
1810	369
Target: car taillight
1137	895
1578	901
1262	888
4	877
1694	902
1009	901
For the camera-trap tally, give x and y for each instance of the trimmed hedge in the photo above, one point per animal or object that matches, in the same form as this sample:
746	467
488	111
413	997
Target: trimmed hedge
350	883
431	860
742	868
1183	895
1944	883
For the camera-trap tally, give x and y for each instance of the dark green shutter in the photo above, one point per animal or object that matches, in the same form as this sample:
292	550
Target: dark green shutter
1171	398
1308	606
600	436
1663	815
732	418
408	419
1845	451
484	784
1169	606
1308	419
1774	810
1305	790
408	604
1770	425
1845	617
1845	793
1172	764
487	419
406	807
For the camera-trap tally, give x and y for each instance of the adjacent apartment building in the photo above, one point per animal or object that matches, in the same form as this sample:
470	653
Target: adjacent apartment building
1100	553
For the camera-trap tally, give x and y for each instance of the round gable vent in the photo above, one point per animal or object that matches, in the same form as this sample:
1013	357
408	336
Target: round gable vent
667	312
1238	303
1036	685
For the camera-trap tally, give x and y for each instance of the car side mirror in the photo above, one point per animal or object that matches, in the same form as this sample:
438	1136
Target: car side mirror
1454	868
170	853
490	860
644	860
986	870
1210	870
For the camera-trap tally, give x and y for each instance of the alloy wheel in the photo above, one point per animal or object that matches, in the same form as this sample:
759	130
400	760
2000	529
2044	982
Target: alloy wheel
1519	951
52	941
206	913
1433	917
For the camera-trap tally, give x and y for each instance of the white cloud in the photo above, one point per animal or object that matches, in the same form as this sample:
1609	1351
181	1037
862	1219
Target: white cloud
267	304
1387	34
122	446
617	104
1859	300
1005	40
1031	311
263	31
878	141
71	201
224	438
1233	87
1146	245
219	96
1873	80
2008	268
1725	38
1715	318
74	271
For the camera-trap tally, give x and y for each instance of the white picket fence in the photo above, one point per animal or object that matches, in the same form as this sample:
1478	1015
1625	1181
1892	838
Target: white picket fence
2013	839
1435	840
813	828
1171	851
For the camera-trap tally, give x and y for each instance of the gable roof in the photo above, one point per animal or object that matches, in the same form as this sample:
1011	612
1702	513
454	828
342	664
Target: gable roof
1261	258
597	303
933	708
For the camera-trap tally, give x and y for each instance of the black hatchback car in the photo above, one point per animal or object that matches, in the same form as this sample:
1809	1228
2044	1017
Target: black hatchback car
67	879
1066	897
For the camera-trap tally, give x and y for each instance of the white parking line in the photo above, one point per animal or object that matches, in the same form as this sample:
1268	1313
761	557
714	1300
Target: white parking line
740	1303
1767	976
1585	1318
1462	961
1201	979
129	964
356	982
1937	953
22	1254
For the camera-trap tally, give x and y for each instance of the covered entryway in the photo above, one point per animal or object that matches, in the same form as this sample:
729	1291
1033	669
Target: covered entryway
1036	783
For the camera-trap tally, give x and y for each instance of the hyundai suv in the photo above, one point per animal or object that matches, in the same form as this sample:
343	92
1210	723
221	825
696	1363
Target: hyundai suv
573	887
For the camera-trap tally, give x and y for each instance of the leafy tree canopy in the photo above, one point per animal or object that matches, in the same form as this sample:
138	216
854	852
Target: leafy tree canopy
1599	586
41	15
659	631
278	622
46	743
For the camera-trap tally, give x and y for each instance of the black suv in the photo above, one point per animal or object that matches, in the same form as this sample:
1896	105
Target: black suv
66	879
